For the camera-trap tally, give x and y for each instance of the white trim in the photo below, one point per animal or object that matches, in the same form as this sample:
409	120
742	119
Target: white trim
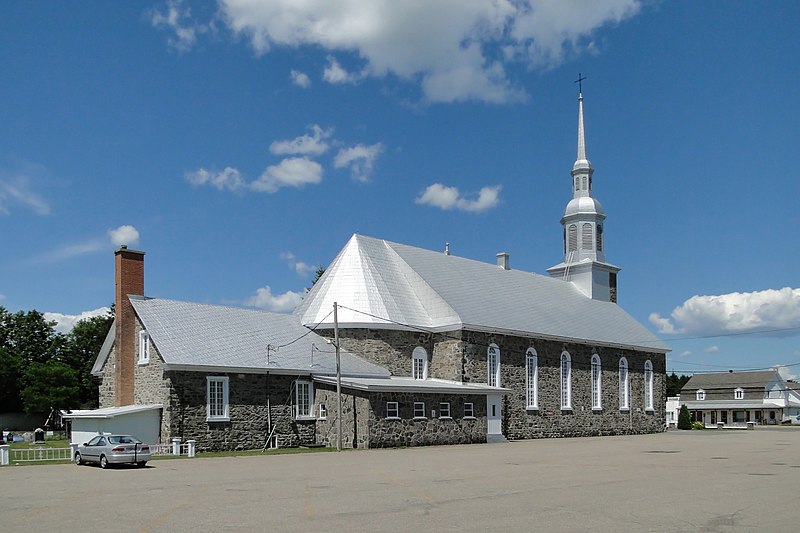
441	411
624	385
143	348
307	411
738	394
597	382
700	395
531	379
565	382
471	410
419	407
493	365
648	386
225	415
419	356
322	411
395	409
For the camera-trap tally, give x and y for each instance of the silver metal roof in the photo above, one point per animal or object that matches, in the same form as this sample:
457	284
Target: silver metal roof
215	338
392	285
406	384
109	412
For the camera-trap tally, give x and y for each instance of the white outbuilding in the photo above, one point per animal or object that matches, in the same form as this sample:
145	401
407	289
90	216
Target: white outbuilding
141	421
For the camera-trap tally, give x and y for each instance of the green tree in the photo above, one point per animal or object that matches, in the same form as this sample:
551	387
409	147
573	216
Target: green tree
684	420
318	274
10	376
675	383
48	385
79	352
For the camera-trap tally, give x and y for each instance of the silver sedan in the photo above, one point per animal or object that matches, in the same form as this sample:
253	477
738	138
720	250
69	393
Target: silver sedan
113	449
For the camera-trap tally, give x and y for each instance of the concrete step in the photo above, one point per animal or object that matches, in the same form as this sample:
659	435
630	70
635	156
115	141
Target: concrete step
491	439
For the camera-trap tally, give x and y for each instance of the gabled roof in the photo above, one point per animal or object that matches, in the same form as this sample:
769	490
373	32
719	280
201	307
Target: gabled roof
202	337
391	285
730	380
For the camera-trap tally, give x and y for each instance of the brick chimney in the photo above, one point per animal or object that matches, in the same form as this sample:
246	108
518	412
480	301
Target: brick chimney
128	279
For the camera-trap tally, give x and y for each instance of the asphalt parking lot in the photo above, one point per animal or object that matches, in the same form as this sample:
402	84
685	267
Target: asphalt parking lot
726	480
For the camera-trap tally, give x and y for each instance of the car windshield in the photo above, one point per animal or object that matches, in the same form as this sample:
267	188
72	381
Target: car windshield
122	439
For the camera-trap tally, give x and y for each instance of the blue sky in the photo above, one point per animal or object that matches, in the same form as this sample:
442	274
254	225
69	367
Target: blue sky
241	144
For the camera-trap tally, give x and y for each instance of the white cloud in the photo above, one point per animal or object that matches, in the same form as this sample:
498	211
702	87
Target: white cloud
300	79
176	17
335	74
65	323
291	172
443	197
360	159
456	49
712	349
127	235
686	353
281	303
302	269
737	312
230	179
16	190
312	145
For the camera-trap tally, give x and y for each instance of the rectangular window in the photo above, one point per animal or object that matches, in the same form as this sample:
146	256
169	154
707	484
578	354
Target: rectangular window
469	410
419	409
392	410
444	410
217	409
323	411
144	348
303	397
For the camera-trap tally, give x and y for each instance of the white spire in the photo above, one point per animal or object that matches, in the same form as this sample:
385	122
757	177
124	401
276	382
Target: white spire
581	138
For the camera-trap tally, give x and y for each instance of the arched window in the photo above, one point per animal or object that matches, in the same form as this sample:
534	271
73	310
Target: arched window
624	385
419	358
596	376
531	379
572	238
566	381
738	394
599	237
648	385
586	236
493	366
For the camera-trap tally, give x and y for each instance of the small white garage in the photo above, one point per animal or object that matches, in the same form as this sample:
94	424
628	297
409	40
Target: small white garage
141	421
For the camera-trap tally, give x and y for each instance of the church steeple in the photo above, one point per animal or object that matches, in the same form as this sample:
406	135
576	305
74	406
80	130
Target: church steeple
584	256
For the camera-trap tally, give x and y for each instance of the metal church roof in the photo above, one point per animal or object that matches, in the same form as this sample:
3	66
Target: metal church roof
387	285
193	336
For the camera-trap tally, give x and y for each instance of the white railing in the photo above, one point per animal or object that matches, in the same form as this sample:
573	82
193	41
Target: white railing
40	454
188	448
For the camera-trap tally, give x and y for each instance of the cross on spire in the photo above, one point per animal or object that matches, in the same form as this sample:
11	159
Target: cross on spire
579	82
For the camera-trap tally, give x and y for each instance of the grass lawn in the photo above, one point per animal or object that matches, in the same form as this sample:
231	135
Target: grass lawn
56	443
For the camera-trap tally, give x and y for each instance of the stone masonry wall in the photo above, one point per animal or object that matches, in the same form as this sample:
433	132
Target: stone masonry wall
550	420
248	425
461	356
107	385
152	385
355	417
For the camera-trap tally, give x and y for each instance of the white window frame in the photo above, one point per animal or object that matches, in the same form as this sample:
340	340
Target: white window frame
624	385
738	394
144	347
648	386
566	381
597	378
221	411
444	410
392	411
303	399
469	410
493	365
700	395
419	363
531	379
323	411
419	410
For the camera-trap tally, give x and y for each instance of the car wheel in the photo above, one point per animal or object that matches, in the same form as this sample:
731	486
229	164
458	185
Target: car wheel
78	459
141	464
103	462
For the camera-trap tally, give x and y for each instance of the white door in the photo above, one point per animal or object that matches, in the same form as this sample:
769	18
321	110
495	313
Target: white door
494	414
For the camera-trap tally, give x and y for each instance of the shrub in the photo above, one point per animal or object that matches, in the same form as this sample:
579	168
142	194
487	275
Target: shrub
684	420
698	425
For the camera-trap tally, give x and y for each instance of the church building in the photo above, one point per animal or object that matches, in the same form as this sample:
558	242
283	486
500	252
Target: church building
434	349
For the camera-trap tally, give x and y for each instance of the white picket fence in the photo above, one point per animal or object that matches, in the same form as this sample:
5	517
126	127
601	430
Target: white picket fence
29	455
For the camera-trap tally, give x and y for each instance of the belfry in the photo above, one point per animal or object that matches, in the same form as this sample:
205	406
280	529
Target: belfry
584	257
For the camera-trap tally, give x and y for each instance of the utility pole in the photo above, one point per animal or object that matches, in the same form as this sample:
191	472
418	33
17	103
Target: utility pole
338	376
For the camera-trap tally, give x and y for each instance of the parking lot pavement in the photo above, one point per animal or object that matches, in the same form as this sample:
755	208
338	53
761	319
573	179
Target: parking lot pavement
722	480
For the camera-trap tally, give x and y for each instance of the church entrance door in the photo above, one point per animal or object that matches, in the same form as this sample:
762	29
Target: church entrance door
494	414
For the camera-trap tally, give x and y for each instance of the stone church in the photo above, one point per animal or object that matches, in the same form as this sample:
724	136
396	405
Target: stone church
433	349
